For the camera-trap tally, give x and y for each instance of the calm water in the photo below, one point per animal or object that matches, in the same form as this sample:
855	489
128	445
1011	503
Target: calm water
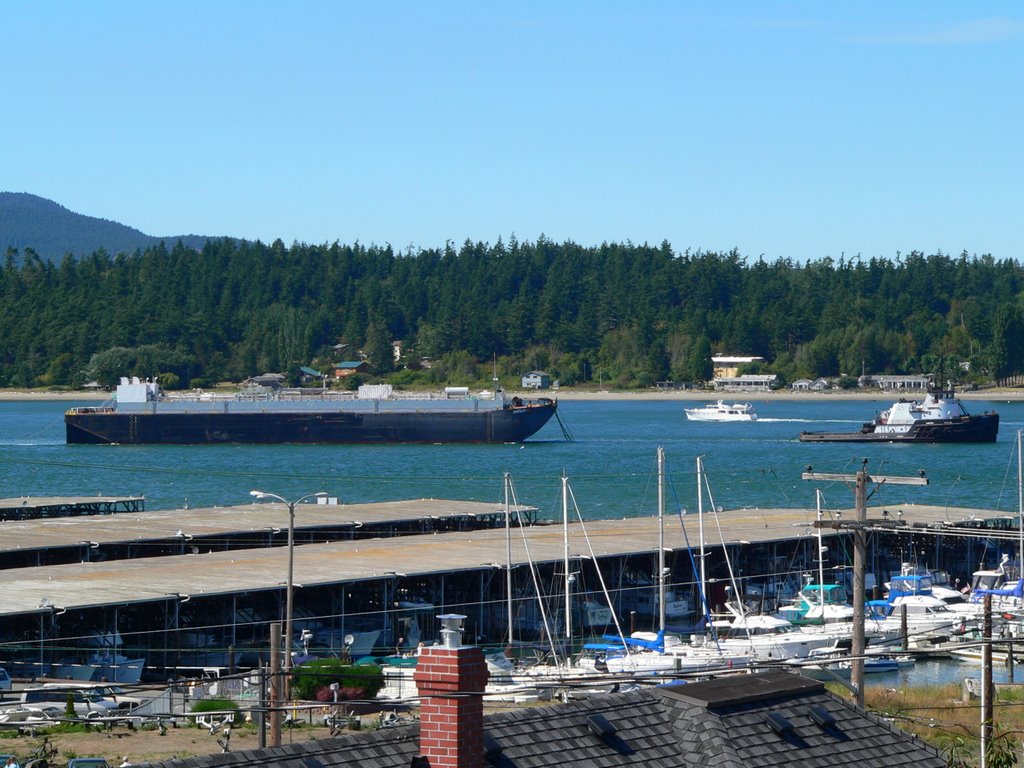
611	465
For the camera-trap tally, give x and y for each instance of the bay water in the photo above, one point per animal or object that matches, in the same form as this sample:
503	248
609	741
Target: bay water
610	465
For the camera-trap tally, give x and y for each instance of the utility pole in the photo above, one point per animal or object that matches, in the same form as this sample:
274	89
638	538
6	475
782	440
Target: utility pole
275	684
988	691
859	526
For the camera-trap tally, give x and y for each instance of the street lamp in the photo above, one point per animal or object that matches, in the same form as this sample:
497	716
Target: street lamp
289	595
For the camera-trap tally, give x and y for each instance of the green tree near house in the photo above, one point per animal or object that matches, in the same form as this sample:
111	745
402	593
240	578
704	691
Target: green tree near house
1006	352
699	367
379	349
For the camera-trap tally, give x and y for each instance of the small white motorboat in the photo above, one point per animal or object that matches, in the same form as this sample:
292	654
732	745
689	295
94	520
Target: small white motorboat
722	411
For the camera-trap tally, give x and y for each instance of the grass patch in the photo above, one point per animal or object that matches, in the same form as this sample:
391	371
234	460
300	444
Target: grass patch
940	717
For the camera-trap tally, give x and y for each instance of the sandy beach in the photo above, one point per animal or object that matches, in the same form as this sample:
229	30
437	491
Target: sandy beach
568	393
43	394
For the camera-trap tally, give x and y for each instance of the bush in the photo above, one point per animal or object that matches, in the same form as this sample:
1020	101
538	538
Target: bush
312	680
218	705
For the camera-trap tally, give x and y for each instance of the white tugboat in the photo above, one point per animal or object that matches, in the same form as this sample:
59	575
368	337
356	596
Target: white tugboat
939	418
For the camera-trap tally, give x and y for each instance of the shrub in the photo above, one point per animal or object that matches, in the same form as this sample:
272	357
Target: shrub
218	705
309	679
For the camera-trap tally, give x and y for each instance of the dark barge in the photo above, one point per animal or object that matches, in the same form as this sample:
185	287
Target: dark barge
141	413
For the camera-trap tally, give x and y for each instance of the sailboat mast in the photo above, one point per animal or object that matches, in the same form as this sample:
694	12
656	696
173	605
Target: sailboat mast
700	527
565	546
821	558
1020	511
508	556
661	538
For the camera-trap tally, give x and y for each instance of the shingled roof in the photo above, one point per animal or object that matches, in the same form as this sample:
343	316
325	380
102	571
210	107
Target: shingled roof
722	723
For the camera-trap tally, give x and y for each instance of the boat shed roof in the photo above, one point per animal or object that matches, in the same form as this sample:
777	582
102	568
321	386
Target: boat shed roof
81	585
139	527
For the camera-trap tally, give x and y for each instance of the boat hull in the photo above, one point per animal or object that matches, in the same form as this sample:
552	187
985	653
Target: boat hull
508	425
692	416
124	672
981	428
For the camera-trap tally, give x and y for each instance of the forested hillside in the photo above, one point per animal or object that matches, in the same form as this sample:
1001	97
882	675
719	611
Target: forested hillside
52	231
627	315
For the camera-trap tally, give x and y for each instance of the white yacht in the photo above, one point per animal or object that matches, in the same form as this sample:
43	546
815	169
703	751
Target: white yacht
722	411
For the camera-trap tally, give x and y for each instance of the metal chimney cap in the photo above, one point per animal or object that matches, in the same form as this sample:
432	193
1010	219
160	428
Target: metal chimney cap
451	631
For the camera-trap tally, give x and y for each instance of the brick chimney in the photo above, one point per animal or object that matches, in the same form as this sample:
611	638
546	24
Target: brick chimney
450	678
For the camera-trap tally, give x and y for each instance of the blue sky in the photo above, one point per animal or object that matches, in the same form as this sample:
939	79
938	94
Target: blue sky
788	129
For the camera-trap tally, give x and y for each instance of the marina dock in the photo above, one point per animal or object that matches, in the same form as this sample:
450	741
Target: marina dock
35	507
225	583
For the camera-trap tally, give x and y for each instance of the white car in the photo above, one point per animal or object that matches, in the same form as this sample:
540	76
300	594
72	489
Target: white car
118	695
87	704
111	693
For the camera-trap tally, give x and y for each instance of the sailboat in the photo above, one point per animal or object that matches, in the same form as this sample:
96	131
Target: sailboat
646	653
741	639
590	613
508	678
820	603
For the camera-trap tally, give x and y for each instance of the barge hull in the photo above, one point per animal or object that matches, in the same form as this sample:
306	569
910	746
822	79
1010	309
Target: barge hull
509	425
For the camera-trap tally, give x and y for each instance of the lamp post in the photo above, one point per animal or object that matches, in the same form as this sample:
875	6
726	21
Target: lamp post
290	590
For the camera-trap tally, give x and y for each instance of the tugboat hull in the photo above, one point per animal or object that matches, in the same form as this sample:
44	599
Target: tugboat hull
982	428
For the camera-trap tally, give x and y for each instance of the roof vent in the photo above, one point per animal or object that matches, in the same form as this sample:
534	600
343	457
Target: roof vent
419	761
778	723
600	727
491	746
821	716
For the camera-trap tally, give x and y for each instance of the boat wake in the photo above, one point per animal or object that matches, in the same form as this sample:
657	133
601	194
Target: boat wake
28	443
810	421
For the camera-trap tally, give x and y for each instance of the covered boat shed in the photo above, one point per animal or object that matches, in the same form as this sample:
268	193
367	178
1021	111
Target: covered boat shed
214	608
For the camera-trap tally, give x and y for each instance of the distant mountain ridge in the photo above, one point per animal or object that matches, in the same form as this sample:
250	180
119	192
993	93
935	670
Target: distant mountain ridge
51	230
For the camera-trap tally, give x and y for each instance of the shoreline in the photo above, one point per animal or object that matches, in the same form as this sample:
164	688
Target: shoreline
997	393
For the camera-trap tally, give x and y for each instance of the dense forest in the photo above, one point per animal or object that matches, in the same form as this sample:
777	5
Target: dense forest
626	315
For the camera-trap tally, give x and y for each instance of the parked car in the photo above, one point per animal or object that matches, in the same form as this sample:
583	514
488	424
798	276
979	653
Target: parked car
113	693
88	762
87	704
5	680
118	695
